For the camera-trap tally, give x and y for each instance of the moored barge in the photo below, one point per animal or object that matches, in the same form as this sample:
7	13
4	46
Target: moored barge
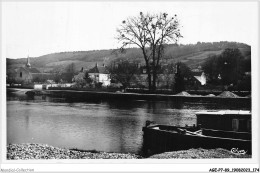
214	129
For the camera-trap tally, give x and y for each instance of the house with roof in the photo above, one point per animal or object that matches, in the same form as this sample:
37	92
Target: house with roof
201	77
25	74
100	74
29	74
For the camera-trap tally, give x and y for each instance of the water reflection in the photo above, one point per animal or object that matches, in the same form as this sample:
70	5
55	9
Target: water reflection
112	126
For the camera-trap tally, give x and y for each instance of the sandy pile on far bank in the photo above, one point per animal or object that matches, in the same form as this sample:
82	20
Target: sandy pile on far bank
183	93
210	95
228	94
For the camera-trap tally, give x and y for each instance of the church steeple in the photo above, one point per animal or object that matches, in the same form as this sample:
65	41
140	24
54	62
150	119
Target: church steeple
28	63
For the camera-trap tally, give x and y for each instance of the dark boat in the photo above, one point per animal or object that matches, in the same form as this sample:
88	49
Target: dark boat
219	129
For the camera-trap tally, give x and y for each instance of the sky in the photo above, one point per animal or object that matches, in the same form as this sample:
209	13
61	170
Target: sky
39	28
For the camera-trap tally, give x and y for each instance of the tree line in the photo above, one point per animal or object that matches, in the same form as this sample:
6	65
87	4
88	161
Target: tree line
155	35
230	69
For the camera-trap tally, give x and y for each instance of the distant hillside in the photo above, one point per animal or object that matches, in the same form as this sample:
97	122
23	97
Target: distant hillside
192	55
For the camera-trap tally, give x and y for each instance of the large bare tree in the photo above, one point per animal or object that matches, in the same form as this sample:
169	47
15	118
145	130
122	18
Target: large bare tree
150	32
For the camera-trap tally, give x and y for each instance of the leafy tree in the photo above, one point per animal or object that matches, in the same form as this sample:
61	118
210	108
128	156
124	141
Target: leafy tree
38	79
123	71
182	72
79	80
57	76
178	81
167	75
82	79
226	67
70	68
210	68
150	32
87	78
10	77
246	65
70	72
244	84
98	85
229	64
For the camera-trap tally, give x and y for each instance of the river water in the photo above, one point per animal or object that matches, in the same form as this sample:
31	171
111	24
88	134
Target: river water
111	126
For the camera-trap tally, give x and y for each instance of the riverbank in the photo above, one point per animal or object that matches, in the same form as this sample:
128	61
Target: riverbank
71	95
41	151
78	95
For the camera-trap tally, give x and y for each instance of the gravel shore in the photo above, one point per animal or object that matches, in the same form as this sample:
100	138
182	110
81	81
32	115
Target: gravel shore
41	151
199	153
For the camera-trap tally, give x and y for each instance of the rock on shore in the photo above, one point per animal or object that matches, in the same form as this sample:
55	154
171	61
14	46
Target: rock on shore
41	151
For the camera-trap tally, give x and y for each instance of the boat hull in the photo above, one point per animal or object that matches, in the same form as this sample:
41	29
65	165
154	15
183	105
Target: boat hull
158	139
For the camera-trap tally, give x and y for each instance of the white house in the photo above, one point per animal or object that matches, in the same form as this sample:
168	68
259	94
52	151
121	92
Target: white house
100	74
201	78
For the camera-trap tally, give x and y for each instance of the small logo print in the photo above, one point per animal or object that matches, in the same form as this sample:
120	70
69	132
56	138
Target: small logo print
238	152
